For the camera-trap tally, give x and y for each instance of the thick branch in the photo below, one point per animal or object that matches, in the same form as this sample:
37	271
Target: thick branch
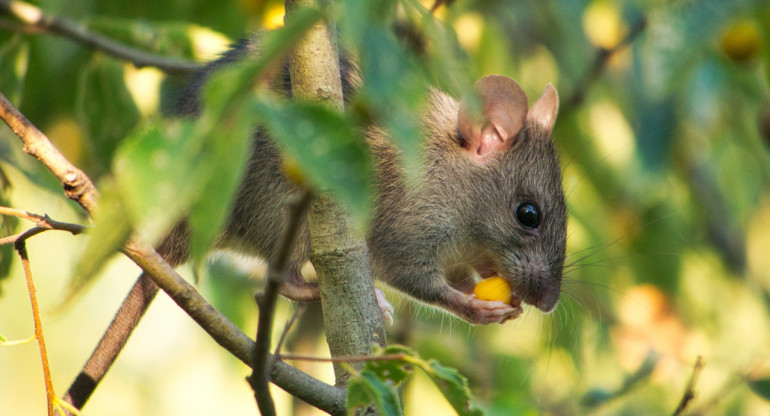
34	18
352	319
226	334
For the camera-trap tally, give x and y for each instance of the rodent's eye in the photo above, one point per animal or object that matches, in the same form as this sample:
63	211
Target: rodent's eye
528	214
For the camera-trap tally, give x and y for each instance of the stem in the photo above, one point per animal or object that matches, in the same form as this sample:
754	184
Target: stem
261	364
21	248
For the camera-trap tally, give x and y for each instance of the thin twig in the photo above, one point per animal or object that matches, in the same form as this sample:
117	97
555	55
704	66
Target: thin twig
260	377
21	248
301	308
601	58
42	222
359	359
77	186
36	19
689	392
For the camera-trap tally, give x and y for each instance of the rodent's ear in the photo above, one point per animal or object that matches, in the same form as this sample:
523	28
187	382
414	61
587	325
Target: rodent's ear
544	111
503	112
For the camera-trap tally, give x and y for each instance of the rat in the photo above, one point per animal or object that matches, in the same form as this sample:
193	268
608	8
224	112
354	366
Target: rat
489	203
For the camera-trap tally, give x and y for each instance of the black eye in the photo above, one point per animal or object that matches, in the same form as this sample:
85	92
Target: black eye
528	215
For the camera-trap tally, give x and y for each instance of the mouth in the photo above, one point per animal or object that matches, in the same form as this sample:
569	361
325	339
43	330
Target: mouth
529	291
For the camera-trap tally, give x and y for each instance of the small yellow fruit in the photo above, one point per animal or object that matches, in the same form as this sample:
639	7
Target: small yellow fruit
742	41
493	288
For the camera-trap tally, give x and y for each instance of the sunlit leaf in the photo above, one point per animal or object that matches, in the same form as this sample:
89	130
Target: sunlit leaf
326	147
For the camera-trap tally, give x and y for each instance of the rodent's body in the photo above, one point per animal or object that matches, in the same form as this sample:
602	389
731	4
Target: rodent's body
462	213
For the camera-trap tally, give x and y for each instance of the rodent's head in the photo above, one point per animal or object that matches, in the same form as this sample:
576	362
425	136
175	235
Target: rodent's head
519	214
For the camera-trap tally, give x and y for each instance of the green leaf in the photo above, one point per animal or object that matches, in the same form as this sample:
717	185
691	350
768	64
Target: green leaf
157	172
454	386
761	387
14	61
367	388
327	148
391	372
105	107
394	371
110	231
393	92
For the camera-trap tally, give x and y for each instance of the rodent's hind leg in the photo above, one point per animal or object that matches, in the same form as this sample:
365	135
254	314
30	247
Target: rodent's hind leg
296	288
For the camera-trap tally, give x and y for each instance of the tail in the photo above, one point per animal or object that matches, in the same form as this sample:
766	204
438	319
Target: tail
114	339
174	250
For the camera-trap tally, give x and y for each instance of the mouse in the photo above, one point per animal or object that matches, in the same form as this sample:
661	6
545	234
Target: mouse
489	201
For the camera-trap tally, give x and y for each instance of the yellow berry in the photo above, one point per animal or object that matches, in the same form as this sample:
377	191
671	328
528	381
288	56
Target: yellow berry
741	41
493	288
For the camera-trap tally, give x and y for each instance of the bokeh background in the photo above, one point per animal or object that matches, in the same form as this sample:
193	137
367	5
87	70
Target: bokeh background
664	134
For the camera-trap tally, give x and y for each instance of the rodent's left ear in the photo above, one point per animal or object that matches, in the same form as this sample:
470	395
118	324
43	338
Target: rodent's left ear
501	114
544	110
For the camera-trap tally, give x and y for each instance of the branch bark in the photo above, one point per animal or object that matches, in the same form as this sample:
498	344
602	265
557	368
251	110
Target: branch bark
352	319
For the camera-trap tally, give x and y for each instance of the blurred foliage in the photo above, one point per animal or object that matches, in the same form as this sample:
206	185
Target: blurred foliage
664	147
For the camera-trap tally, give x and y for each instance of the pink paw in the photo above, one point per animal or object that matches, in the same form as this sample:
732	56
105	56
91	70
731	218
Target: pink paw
385	307
488	312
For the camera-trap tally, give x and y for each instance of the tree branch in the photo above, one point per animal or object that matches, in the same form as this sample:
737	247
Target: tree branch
689	392
78	187
352	319
43	223
36	20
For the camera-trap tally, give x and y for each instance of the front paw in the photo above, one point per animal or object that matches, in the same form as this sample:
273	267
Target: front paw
489	312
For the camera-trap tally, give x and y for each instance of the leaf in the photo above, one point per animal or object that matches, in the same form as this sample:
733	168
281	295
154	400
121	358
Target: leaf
366	388
327	148
761	387
396	371
110	231
170	169
105	107
391	372
454	386
157	172
14	61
